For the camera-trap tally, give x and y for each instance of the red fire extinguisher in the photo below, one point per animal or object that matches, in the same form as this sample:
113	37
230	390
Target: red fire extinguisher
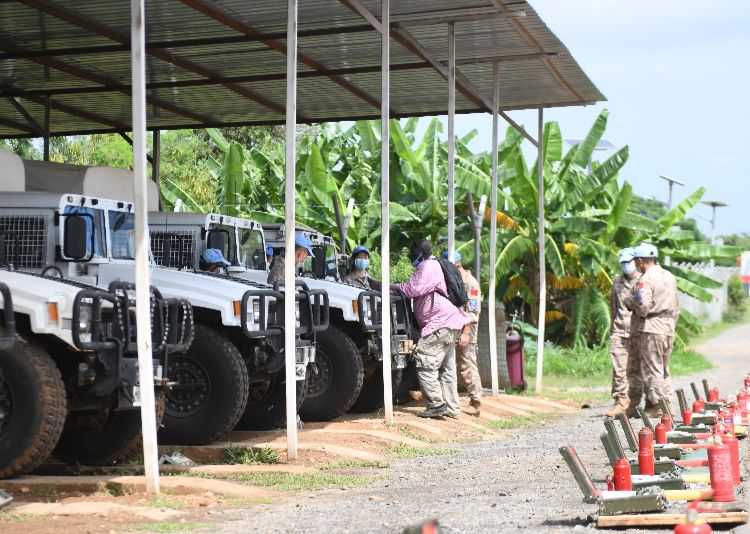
693	524
687	417
713	395
720	469
734	452
661	434
622	479
747	381
697	407
645	452
666	420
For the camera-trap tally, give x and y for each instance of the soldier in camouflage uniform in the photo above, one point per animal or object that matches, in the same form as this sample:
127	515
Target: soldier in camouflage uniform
302	248
466	357
657	304
620	337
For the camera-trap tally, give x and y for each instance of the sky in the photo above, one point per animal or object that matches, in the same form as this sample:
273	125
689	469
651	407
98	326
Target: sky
676	74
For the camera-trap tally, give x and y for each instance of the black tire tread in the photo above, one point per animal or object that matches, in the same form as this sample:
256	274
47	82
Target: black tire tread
222	345
55	409
342	403
371	397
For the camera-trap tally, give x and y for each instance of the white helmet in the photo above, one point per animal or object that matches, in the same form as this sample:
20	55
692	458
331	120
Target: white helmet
645	250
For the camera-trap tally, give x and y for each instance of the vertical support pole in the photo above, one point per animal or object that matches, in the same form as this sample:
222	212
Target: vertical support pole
451	140
290	215
156	163
385	199
542	260
669	202
712	262
47	109
492	321
142	275
347	220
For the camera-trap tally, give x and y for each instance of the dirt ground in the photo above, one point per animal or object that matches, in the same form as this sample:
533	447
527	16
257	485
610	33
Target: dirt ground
357	475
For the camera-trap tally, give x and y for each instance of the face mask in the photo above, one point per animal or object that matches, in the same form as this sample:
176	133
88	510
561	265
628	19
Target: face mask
361	264
628	268
418	260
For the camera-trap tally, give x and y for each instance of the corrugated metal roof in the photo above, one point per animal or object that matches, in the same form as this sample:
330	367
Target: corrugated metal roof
203	69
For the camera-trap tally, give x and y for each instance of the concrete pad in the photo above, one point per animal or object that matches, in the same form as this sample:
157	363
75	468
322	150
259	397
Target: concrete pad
91	508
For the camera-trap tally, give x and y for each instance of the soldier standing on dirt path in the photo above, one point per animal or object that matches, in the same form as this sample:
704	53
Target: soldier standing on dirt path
466	357
620	336
657	303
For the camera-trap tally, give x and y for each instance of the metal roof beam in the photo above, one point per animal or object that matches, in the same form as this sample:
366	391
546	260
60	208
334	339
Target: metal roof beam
26	115
409	42
74	18
523	32
101	80
182	43
18	126
129	140
450	16
276	76
243	28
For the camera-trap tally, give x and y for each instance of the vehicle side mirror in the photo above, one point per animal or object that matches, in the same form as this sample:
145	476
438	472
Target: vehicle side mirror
166	252
76	237
319	263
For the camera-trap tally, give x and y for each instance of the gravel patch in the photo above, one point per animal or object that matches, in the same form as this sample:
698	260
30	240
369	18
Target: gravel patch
513	484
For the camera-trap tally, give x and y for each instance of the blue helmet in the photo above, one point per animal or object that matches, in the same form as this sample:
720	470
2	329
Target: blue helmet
456	256
359	249
626	255
645	250
302	241
269	250
214	255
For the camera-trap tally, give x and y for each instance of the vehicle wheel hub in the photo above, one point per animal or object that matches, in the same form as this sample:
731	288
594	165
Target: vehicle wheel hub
319	375
192	387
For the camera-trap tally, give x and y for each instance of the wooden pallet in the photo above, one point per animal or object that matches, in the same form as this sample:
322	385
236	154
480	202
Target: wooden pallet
665	520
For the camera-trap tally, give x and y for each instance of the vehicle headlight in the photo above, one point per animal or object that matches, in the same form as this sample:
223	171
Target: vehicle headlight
84	319
256	311
296	311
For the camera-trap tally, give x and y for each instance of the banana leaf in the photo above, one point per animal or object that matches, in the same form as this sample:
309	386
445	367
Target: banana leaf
677	213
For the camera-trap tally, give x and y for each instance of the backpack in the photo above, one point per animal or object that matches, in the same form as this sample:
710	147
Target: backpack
455	284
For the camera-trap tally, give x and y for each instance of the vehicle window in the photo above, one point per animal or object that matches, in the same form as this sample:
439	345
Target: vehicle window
223	239
97	219
252	251
122	234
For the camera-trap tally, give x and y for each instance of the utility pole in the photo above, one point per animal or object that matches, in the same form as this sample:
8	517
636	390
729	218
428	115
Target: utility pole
671	182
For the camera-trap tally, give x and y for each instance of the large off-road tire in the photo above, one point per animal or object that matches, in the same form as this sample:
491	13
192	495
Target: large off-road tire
211	391
371	396
335	379
106	438
266	403
32	408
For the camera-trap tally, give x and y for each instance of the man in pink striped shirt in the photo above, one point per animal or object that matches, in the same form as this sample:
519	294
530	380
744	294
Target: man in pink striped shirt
442	324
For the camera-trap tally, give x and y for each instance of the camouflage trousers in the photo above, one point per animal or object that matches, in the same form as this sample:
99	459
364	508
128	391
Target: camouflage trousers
654	351
436	369
466	361
635	378
619	352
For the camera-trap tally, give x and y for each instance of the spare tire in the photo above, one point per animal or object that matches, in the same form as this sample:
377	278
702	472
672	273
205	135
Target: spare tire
104	439
266	403
32	408
211	391
334	380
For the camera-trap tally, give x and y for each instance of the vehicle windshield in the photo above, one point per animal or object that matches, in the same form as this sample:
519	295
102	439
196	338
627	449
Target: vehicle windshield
222	236
252	250
94	217
122	234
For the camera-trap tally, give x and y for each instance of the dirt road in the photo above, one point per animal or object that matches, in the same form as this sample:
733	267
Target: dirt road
519	483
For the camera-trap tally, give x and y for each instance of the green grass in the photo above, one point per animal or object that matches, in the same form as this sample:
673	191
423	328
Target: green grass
165	502
516	421
291	481
237	501
402	450
409	433
17	518
164	526
353	464
245	456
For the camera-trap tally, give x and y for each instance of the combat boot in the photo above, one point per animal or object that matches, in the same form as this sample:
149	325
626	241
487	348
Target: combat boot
477	405
621	406
633	404
652	410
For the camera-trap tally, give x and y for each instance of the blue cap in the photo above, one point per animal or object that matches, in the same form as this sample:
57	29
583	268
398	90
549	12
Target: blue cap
359	249
645	250
626	255
302	241
456	256
214	255
269	250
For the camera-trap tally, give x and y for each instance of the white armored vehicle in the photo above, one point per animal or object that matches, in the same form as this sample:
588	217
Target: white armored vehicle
347	372
234	326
